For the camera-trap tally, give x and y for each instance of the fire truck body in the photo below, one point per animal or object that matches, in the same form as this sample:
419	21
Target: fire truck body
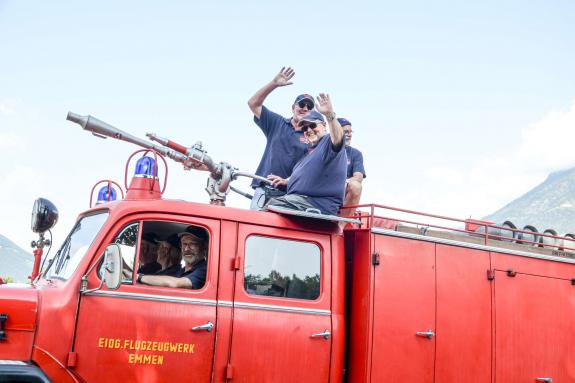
422	306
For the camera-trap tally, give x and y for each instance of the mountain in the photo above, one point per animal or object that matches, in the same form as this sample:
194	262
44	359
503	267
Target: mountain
550	205
14	261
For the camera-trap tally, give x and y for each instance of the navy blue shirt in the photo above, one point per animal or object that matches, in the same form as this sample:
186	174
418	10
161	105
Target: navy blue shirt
321	176
196	275
354	162
284	146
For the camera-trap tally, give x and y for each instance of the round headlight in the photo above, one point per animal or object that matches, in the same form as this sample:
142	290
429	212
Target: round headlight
44	215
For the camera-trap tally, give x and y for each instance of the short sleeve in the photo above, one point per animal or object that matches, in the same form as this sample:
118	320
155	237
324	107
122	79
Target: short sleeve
358	163
268	121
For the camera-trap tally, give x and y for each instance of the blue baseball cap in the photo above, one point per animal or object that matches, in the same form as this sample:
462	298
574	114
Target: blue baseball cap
312	116
304	96
343	122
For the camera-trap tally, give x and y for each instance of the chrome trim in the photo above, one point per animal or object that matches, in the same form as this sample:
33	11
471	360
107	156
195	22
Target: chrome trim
4	362
444	241
206	302
153	297
285	309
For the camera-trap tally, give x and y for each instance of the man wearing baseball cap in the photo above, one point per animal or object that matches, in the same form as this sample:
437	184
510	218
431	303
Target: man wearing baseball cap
285	142
355	169
318	180
194	245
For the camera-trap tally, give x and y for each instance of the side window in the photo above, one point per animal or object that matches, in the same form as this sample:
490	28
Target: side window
282	268
173	254
127	240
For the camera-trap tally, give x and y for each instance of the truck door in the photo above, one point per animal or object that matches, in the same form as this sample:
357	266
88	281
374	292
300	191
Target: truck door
404	311
143	333
281	309
534	330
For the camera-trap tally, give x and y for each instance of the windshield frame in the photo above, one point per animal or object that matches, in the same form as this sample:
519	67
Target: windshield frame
59	265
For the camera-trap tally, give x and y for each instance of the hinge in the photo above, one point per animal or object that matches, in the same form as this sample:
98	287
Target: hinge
236	264
229	372
72	356
3	319
511	273
375	259
573	281
490	275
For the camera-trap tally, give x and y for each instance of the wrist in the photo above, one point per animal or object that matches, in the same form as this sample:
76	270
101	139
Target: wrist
330	116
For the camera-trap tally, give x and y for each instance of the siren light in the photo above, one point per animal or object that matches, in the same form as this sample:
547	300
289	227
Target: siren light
146	167
106	194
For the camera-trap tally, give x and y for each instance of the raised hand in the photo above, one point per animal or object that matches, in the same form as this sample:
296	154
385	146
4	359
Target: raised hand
283	77
324	104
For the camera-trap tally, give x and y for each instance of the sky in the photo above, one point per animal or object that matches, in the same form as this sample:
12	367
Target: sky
458	107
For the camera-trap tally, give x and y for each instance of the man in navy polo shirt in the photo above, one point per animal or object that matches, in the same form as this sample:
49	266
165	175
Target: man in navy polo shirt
355	169
285	141
318	179
194	245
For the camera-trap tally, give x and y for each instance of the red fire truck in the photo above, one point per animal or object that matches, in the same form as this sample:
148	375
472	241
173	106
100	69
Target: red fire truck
386	295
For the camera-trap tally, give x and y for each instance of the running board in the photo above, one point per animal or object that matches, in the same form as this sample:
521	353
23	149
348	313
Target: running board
323	217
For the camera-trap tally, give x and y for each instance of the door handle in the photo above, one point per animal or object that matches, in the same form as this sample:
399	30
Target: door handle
426	334
207	327
326	334
546	380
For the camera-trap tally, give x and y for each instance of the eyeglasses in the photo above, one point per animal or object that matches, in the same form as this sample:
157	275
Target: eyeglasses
305	127
302	104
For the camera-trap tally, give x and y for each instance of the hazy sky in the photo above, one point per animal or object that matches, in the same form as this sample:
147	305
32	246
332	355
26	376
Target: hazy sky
458	107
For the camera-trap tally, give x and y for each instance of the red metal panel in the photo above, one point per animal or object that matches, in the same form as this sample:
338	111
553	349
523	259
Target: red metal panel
534	328
20	305
228	247
275	346
463	343
404	303
360	304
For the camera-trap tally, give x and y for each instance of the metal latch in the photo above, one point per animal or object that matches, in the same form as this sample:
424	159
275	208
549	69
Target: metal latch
546	380
426	334
3	319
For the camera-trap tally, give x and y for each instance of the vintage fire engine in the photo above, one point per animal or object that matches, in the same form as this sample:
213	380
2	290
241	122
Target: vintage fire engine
382	296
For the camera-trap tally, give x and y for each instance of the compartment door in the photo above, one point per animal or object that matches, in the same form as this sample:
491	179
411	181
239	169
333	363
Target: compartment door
534	332
404	311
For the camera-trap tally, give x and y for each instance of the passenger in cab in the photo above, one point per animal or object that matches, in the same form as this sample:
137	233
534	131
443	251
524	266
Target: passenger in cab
169	256
318	180
194	245
285	141
355	169
149	254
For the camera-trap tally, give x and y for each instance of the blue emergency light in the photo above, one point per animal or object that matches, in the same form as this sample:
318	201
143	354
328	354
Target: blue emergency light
106	194
145	168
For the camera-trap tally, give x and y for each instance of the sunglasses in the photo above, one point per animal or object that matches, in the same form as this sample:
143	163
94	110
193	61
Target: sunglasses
308	126
302	104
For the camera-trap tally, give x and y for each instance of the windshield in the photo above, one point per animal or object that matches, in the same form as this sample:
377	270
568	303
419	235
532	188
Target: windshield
74	248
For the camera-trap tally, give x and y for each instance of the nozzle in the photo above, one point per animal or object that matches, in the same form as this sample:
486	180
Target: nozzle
80	120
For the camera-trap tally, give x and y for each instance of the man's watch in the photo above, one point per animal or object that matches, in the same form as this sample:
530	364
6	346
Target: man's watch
139	277
330	116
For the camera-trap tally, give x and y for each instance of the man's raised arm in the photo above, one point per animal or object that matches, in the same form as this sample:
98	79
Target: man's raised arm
281	79
335	130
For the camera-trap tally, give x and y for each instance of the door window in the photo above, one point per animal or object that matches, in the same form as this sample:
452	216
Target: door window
282	268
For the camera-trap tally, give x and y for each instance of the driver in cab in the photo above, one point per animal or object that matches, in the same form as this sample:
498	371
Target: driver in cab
194	245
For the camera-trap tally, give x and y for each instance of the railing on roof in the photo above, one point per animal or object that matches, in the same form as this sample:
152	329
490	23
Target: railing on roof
388	217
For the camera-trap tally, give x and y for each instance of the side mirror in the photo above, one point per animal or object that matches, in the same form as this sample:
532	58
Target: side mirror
44	215
111	269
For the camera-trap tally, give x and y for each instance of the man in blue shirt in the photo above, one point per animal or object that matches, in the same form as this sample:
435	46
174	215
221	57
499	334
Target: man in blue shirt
355	169
285	142
318	180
